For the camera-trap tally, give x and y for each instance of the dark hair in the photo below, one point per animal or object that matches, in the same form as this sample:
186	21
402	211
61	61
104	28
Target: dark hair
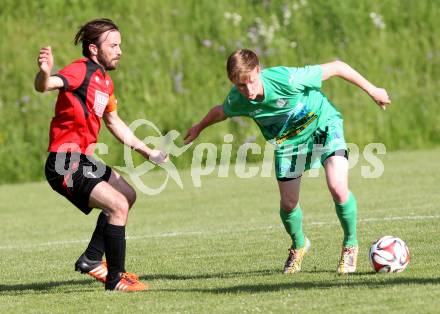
240	62
90	32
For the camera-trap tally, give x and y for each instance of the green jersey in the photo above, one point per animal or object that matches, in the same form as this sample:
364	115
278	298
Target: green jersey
292	104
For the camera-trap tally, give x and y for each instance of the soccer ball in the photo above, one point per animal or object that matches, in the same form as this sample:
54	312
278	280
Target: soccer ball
389	255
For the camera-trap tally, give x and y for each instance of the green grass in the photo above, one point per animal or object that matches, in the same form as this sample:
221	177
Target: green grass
220	248
173	64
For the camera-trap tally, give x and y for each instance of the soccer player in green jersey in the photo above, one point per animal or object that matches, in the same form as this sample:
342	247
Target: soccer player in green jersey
292	112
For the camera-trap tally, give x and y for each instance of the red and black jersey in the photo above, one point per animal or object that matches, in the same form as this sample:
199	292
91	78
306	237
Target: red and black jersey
87	93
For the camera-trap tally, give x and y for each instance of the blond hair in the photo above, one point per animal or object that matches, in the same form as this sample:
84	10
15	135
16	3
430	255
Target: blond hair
240	63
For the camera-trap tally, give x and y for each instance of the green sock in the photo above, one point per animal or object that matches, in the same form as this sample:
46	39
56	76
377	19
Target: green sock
293	223
347	214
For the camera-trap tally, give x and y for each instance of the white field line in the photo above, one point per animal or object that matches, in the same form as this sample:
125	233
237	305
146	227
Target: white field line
196	233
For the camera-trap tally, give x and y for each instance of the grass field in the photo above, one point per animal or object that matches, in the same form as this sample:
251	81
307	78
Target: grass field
220	248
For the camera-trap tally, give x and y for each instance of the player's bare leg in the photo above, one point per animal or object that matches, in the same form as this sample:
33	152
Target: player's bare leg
122	186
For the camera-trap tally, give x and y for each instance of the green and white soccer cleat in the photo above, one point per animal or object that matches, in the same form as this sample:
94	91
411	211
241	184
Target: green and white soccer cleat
348	260
294	260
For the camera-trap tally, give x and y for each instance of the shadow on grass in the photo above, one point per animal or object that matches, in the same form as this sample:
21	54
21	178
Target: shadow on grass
316	284
264	272
42	287
210	276
371	280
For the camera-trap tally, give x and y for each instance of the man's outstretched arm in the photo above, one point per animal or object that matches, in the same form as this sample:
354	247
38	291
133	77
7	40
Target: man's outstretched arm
342	69
43	81
216	114
122	132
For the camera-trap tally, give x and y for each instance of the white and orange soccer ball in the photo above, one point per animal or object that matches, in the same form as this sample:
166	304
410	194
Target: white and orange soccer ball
389	255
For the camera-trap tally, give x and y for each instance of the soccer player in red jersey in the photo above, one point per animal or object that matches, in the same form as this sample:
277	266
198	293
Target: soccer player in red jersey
86	95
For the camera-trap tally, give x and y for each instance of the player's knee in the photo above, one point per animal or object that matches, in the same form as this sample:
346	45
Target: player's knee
123	206
120	207
339	191
289	204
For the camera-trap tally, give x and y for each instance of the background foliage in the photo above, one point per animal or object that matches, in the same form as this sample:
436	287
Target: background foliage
172	70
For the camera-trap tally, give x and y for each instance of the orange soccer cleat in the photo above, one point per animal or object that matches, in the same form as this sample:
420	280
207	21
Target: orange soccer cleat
126	282
96	269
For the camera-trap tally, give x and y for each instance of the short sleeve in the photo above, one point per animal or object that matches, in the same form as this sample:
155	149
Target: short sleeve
72	75
227	107
112	104
306	77
230	106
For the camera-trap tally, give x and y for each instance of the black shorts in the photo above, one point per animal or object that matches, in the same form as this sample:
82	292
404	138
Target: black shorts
74	176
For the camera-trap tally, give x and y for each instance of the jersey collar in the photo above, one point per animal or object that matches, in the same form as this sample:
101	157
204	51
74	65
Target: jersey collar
97	65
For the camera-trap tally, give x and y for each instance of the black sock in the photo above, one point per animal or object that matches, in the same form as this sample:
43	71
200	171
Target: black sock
114	240
96	247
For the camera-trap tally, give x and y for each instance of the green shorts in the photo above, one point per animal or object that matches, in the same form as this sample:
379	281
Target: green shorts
309	149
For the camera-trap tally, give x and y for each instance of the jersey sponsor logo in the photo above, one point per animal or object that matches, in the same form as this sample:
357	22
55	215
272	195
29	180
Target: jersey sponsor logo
273	121
101	100
299	111
281	102
297	127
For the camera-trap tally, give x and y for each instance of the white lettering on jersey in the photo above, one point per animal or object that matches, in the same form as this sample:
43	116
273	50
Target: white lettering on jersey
254	113
101	100
281	103
291	79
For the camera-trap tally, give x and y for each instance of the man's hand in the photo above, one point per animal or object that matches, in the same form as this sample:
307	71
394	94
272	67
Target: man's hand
45	60
192	133
158	157
380	96
43	81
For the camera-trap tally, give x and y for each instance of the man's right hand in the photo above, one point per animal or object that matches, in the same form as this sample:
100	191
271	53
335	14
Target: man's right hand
45	60
192	133
43	81
380	97
158	157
